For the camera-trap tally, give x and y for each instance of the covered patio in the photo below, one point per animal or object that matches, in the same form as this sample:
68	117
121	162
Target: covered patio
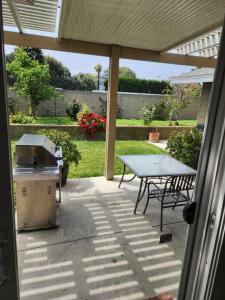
146	31
101	249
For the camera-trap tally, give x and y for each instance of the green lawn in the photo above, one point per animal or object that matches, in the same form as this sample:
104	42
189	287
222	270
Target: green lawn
68	121
154	123
93	156
54	121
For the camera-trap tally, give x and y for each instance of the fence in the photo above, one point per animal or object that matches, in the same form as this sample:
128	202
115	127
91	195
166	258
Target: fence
129	104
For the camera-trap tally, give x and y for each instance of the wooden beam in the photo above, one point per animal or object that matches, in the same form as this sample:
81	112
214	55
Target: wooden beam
13	38
111	112
15	13
169	58
43	42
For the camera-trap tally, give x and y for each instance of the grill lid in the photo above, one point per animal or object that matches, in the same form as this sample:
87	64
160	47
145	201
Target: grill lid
35	150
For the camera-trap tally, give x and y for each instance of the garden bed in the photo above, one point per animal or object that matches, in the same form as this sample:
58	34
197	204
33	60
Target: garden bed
123	132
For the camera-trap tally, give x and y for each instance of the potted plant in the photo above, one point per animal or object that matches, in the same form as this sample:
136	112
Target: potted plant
148	116
154	135
71	155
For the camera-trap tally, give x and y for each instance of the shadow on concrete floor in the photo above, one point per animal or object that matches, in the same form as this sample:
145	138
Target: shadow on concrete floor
101	250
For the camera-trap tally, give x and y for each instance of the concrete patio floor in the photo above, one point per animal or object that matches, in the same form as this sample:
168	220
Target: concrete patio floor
101	250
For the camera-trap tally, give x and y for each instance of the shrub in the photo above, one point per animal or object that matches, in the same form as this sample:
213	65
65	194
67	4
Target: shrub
185	146
62	138
147	115
21	118
156	112
136	85
85	110
160	111
178	98
73	109
90	123
12	105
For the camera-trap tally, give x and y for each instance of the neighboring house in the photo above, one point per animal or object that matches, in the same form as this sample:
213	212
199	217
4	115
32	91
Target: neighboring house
205	77
206	45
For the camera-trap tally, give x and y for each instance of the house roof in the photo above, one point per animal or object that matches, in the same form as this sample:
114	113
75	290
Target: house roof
198	75
144	24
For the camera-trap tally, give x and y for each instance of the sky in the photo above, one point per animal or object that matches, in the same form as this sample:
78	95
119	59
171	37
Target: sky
85	63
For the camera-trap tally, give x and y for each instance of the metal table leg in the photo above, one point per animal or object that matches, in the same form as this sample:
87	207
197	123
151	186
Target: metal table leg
122	180
140	192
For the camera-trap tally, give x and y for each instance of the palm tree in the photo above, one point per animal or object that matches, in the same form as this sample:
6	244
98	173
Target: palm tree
98	69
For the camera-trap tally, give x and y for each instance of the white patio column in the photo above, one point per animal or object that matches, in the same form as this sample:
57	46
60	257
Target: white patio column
111	112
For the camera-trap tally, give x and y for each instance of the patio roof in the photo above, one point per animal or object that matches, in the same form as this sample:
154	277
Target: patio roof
39	15
145	24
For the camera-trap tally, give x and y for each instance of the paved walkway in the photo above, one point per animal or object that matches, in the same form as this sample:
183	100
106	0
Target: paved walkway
161	144
101	250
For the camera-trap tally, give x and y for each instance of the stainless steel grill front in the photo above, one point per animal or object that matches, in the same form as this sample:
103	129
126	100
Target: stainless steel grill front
38	163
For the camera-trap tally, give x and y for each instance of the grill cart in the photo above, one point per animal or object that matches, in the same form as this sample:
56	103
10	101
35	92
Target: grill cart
37	170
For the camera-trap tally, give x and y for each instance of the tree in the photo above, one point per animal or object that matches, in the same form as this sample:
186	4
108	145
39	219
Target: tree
180	96
124	72
127	73
32	79
10	57
60	75
84	82
98	69
35	54
10	77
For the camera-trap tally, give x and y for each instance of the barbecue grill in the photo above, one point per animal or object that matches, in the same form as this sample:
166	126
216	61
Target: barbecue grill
38	163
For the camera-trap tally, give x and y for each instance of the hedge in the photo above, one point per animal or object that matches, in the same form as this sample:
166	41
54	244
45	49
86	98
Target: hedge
135	85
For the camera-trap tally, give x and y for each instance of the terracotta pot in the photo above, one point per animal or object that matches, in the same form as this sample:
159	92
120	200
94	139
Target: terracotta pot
154	137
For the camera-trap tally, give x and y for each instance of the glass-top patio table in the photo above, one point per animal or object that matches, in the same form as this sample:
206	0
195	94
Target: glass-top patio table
152	166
